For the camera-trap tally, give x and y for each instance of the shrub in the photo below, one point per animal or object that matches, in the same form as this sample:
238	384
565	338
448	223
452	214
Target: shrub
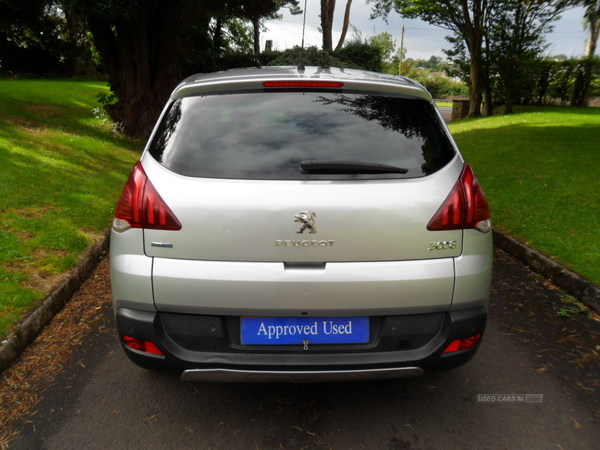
361	55
312	57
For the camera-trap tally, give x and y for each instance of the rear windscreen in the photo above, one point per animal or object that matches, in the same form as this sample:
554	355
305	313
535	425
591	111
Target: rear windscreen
267	135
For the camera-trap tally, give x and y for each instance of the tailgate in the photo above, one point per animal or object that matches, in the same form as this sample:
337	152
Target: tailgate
297	221
277	289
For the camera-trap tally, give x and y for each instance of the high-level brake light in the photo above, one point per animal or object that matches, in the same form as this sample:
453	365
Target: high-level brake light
465	207
303	84
141	206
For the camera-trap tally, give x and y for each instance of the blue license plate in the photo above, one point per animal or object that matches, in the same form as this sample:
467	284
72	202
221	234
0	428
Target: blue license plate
297	330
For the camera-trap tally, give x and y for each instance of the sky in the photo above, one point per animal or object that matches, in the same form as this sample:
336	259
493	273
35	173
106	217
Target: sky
421	40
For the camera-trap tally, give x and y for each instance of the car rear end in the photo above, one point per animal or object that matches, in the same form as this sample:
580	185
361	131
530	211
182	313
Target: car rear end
297	226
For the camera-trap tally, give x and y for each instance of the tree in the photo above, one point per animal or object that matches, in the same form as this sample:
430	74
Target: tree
386	45
434	63
466	18
327	13
258	10
139	45
30	40
585	70
345	25
507	33
360	53
312	57
384	41
239	36
592	21
516	42
139	42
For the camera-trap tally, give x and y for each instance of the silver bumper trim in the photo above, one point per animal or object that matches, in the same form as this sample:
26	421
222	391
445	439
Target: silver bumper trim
256	376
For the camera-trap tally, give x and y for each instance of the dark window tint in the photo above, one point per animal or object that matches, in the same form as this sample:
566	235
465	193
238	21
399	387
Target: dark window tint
268	135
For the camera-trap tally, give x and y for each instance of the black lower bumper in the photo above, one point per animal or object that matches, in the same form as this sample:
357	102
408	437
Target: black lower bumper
208	348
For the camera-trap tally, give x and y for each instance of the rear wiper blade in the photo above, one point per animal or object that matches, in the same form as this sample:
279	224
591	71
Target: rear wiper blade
347	167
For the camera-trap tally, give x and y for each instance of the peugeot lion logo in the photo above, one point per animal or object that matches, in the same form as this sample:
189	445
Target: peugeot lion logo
307	218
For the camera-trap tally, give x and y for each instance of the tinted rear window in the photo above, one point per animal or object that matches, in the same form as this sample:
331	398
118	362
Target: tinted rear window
267	135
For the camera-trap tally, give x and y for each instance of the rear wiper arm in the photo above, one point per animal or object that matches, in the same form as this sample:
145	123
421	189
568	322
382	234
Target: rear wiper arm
347	167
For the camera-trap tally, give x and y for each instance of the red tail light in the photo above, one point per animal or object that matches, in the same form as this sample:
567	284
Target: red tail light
140	205
463	344
465	207
142	346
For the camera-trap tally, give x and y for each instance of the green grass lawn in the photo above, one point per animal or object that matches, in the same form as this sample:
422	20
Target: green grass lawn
62	172
540	169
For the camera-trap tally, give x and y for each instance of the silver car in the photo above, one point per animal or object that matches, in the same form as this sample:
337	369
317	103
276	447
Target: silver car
301	225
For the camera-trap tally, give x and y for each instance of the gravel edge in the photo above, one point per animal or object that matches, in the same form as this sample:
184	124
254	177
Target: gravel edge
10	348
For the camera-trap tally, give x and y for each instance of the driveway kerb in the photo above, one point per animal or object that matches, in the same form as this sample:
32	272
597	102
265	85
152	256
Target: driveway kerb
10	348
577	286
34	323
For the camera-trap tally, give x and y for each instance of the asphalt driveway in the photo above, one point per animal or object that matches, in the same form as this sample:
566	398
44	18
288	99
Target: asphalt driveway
94	398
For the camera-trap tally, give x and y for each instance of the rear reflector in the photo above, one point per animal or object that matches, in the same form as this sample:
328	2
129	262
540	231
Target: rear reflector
463	344
465	207
140	345
141	206
304	84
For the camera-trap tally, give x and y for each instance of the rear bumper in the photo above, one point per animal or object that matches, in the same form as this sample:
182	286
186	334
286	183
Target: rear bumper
207	348
261	376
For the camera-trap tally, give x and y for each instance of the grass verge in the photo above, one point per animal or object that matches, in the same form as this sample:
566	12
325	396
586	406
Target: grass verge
62	171
540	171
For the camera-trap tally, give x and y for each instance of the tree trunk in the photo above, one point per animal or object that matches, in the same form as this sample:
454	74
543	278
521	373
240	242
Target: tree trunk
510	99
487	85
218	35
141	56
594	27
488	101
476	83
345	26
256	29
584	75
473	34
543	83
582	83
327	10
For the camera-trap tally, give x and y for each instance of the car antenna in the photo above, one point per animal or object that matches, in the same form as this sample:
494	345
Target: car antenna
301	64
